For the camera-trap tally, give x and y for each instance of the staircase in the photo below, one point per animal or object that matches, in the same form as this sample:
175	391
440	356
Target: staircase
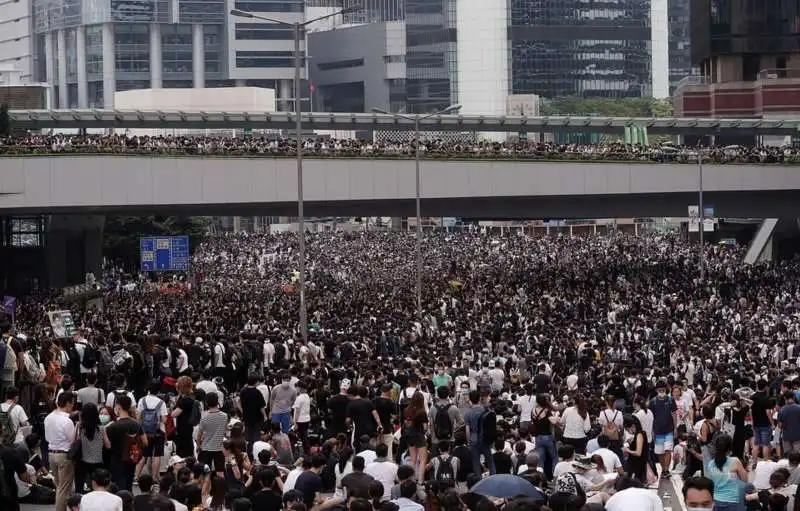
758	249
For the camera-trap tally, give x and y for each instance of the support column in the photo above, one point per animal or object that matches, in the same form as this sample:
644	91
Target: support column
61	54
50	63
198	56
80	61
109	66
156	66
286	96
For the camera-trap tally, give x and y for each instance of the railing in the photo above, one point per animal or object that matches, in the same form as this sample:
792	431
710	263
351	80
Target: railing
528	153
694	80
780	73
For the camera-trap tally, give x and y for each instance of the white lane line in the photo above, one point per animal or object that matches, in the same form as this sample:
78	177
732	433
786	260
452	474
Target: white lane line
677	485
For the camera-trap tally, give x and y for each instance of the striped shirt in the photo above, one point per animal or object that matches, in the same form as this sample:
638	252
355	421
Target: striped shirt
213	425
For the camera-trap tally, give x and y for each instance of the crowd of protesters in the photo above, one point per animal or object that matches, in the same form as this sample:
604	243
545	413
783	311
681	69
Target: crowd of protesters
560	373
352	148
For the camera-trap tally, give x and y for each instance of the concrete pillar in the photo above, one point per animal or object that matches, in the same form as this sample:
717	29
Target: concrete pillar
74	248
80	60
286	94
63	92
109	66
198	57
237	224
156	66
50	60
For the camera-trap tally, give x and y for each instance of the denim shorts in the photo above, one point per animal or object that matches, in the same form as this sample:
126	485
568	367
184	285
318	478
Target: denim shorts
762	435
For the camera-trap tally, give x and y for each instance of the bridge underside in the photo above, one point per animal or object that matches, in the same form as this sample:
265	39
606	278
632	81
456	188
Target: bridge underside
756	204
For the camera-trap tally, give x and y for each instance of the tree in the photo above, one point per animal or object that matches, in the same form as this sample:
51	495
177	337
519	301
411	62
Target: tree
5	120
122	234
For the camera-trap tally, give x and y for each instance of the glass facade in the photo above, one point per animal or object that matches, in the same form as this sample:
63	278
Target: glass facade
597	49
680	58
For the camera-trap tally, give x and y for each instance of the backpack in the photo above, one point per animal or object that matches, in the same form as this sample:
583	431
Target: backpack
53	374
514	375
7	432
33	370
117	394
194	417
405	400
10	358
105	362
442	423
487	427
90	356
610	428
226	354
150	417
445	473
630	389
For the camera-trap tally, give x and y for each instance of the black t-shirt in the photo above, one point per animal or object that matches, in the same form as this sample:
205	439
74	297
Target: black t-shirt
337	405
252	402
502	462
13	463
541	383
142	503
188	494
762	405
385	407
357	481
309	484
266	500
185	403
118	431
360	412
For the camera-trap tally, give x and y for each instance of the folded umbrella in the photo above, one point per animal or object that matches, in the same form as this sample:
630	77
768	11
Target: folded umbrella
506	486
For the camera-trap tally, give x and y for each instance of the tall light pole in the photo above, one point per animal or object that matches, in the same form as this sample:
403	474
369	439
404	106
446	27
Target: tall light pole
702	214
417	118
298	66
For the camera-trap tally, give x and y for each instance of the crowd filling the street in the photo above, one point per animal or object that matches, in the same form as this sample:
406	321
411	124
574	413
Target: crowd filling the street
544	373
430	147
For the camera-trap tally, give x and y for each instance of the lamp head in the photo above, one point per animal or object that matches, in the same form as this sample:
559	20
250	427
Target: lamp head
351	9
241	14
452	109
380	111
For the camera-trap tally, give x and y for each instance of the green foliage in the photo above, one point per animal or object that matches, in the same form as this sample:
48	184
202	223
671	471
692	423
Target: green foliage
122	234
628	107
5	120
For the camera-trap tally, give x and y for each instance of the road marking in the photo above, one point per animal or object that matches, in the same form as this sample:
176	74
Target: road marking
677	485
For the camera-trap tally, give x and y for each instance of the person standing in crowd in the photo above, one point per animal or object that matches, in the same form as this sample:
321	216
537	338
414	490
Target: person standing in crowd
211	435
479	448
89	432
13	467
301	415
153	412
386	409
444	419
100	499
728	475
90	393
664	420
12	418
254	409
575	420
59	432
281	401
186	415
789	418
126	440
763	423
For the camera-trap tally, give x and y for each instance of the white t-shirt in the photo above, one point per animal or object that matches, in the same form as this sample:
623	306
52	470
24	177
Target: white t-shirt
111	399
18	419
219	358
182	364
291	479
385	472
259	446
526	404
640	499
764	470
101	501
610	459
368	455
208	387
646	420
303	406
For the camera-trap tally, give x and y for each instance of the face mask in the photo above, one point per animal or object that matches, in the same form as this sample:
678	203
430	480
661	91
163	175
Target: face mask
698	509
105	419
662	394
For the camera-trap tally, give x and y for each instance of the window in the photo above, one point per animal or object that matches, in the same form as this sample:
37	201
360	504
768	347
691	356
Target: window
287	6
341	64
264	59
264	32
26	232
394	59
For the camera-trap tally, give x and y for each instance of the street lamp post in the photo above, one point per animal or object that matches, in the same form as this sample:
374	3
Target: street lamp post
417	155
702	215
297	29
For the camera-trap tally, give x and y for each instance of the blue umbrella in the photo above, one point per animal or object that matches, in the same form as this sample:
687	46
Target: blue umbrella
506	486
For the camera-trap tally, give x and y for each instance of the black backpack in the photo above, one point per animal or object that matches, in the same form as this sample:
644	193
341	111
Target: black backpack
442	423
90	356
445	473
487	427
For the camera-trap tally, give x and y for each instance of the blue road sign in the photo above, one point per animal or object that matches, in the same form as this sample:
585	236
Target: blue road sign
164	253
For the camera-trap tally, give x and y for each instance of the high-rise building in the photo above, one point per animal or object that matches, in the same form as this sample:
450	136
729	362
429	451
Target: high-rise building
680	57
88	49
748	55
595	49
16	46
